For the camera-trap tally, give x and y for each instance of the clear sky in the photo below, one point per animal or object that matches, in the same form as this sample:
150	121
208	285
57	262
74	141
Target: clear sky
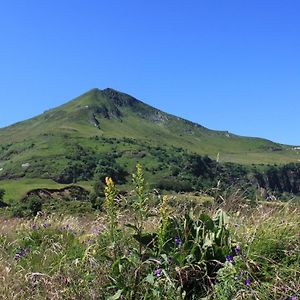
227	64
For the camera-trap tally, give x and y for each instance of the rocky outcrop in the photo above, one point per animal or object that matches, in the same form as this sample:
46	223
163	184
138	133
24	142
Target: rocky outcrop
279	179
73	192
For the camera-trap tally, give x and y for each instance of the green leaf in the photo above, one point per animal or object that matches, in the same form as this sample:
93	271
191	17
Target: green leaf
150	278
221	219
116	296
207	221
165	258
209	240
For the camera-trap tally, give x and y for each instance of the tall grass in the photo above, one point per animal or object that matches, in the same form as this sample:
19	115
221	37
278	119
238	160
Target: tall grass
145	247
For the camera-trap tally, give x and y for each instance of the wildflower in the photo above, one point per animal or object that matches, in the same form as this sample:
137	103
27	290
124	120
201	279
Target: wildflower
21	253
237	250
293	298
229	258
33	226
247	282
157	272
178	241
46	225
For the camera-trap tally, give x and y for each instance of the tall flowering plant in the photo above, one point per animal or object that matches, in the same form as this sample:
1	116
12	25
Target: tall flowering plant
111	193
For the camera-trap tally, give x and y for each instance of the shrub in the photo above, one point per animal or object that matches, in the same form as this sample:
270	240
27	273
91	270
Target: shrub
35	205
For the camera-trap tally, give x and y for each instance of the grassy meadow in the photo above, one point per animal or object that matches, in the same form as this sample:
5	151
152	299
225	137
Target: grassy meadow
144	245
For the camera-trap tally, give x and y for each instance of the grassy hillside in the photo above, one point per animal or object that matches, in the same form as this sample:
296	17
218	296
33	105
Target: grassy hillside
119	115
107	125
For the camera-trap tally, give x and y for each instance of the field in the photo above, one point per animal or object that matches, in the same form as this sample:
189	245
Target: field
151	246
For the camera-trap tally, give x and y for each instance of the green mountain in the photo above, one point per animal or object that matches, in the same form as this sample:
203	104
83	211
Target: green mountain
66	143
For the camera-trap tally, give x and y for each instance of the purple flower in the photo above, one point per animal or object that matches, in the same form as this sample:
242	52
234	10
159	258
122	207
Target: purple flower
46	225
293	298
157	272
247	282
229	258
21	253
178	241
237	250
33	226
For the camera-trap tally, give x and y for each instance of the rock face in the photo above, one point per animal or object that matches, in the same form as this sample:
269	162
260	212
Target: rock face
67	193
96	122
279	179
119	99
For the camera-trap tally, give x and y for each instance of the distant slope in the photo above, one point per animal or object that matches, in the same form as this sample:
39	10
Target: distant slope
105	121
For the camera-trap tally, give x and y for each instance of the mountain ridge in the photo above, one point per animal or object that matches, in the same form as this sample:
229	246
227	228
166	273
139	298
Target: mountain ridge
129	100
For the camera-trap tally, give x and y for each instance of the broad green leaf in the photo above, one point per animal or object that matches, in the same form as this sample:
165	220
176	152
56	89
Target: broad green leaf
116	296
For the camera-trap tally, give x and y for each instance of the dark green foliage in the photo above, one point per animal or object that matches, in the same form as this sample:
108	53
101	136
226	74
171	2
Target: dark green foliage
34	205
173	184
187	250
2	204
108	167
27	208
81	164
2	193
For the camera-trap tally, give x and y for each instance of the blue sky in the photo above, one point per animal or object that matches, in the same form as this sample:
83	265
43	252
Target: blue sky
226	64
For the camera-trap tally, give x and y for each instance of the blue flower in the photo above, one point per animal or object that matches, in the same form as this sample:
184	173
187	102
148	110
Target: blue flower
178	241
247	282
229	258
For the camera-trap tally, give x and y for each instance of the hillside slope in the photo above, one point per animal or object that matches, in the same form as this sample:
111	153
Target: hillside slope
108	121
